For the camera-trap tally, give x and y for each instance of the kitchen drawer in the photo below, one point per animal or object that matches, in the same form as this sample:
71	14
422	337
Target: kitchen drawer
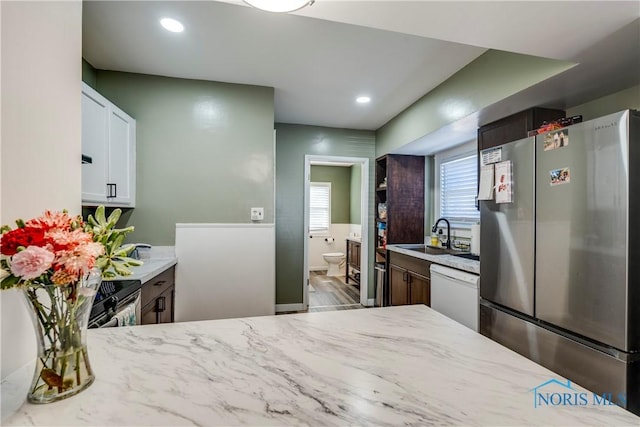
410	263
154	287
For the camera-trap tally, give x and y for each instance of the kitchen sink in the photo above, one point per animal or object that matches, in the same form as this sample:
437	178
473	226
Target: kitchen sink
426	249
469	255
435	250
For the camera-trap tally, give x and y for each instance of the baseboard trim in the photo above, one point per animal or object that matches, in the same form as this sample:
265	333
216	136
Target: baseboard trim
371	302
289	307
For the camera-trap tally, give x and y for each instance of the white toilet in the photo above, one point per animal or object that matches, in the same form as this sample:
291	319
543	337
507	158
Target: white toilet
334	259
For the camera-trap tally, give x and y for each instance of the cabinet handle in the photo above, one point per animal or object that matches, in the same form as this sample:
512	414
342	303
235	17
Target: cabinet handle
112	191
160	302
160	282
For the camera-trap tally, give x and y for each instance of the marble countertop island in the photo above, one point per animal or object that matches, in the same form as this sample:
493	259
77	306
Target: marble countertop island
380	366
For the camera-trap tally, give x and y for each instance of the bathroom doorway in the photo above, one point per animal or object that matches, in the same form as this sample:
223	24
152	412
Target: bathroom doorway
330	282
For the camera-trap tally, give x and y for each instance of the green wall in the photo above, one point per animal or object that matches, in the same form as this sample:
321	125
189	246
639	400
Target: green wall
355	181
628	98
491	77
293	142
340	179
205	151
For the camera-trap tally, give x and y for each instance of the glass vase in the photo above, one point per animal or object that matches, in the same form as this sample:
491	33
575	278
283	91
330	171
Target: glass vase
60	315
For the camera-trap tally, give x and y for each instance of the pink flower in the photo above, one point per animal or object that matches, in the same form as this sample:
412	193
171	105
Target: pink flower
52	220
31	262
79	260
67	240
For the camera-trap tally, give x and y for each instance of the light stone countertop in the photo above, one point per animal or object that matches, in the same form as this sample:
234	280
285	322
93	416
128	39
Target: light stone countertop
380	366
161	258
468	265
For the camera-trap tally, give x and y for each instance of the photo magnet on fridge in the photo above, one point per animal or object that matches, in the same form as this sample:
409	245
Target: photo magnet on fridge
557	139
560	176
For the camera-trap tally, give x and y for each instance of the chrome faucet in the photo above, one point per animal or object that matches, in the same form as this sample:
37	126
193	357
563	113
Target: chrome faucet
435	227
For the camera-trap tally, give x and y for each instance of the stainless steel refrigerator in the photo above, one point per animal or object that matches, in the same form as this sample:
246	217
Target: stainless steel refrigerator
560	269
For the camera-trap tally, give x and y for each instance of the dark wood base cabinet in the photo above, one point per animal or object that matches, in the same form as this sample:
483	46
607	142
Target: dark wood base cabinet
409	279
158	297
353	262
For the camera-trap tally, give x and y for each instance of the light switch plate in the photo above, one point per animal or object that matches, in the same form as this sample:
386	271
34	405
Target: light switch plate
257	214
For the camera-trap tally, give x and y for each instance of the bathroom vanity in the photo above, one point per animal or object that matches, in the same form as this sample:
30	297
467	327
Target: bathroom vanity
353	261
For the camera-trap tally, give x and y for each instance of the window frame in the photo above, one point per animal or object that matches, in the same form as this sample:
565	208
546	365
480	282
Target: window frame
467	149
323	232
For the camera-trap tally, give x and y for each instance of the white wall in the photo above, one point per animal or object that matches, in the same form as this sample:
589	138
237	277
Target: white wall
225	271
41	135
318	246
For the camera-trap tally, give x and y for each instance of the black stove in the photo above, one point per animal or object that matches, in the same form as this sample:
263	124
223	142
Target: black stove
110	295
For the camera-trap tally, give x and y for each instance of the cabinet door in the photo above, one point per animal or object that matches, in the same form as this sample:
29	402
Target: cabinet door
419	289
149	314
164	306
398	286
95	131
122	149
351	252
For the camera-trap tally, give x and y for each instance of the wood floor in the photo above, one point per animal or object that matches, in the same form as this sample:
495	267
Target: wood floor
331	293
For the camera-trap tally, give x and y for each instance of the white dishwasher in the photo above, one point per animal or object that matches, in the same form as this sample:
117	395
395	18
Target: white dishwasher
455	294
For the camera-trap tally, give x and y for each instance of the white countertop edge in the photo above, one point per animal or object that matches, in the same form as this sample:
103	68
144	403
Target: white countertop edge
468	265
221	225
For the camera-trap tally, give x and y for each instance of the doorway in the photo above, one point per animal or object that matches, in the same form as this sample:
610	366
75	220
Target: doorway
322	292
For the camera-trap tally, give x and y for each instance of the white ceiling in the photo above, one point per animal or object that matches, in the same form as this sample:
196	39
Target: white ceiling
321	57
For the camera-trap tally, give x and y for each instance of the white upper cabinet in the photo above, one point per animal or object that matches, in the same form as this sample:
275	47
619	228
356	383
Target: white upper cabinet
109	143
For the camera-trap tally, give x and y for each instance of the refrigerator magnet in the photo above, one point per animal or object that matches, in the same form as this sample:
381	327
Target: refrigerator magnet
490	156
503	182
555	140
560	176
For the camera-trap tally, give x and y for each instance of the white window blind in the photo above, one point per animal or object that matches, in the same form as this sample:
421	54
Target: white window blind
458	190
320	207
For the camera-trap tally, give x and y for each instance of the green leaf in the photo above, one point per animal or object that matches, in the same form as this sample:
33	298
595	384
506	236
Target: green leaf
125	250
9	282
130	262
114	217
100	215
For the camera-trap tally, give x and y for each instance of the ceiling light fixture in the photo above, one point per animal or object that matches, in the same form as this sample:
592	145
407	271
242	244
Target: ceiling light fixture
172	25
279	6
363	99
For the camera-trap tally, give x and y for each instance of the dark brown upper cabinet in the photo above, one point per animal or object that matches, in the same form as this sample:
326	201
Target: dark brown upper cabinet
400	184
515	126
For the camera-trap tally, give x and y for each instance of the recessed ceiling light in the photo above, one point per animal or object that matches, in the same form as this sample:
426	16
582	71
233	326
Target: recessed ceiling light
279	6
363	99
172	25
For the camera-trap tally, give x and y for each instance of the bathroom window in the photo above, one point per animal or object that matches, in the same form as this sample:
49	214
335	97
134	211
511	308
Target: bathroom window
457	185
320	207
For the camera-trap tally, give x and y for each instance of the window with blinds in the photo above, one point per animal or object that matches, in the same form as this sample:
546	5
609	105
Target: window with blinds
319	207
458	190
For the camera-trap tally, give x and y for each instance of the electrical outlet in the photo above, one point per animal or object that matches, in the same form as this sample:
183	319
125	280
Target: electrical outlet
257	214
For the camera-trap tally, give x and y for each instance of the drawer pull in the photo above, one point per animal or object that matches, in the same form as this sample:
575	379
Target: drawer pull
160	282
161	304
